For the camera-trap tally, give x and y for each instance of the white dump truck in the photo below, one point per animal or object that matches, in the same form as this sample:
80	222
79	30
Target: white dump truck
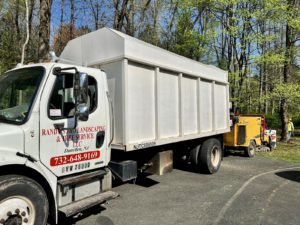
110	106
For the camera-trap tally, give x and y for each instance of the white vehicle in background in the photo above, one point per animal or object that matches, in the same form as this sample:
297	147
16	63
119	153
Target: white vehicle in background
66	126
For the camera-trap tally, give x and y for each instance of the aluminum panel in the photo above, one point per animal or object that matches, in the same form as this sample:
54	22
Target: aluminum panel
221	111
141	103
168	100
87	189
94	48
205	106
107	44
189	105
114	73
152	105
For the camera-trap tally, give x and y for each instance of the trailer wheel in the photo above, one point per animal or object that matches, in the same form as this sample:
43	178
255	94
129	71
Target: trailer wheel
22	201
250	150
210	156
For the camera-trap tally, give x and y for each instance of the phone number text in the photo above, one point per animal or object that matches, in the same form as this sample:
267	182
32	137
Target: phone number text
68	159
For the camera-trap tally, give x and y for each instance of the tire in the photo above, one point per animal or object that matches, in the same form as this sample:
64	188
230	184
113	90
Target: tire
22	201
194	155
210	156
250	150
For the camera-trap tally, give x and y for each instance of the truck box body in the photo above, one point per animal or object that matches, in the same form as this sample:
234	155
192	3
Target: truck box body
56	123
158	97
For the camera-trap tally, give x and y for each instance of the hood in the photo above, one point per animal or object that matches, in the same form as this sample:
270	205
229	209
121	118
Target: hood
11	138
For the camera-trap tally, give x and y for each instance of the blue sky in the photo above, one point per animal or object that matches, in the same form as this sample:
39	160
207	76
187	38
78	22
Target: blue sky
83	16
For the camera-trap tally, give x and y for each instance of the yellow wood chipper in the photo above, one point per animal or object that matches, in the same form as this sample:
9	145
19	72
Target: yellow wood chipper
249	133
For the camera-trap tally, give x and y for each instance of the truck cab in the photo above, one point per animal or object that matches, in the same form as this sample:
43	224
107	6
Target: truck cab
55	133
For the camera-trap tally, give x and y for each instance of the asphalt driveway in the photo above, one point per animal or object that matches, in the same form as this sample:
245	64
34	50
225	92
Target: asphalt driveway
245	191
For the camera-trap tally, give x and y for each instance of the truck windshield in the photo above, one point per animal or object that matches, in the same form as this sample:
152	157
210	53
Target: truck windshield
17	91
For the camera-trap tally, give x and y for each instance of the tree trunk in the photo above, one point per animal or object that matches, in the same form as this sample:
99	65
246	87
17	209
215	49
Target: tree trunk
130	19
260	88
17	20
265	77
72	20
44	28
230	23
170	26
62	4
284	119
31	8
120	14
286	78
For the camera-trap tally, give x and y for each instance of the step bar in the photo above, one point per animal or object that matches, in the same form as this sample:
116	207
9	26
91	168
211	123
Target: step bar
86	203
81	178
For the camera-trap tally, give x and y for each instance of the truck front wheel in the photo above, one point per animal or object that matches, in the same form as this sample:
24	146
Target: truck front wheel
210	156
22	201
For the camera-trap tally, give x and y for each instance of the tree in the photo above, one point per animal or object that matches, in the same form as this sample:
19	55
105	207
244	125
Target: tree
291	27
72	19
96	7
44	28
27	32
121	10
62	36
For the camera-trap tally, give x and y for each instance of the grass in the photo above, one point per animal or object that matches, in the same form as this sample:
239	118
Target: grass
285	151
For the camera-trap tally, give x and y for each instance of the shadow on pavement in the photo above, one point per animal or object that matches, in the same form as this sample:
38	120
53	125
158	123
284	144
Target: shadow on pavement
234	152
145	181
188	167
142	180
104	220
290	175
92	211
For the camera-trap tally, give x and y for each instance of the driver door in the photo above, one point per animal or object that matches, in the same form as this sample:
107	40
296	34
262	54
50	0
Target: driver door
71	150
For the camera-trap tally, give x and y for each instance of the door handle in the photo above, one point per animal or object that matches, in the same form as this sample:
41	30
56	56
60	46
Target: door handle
100	139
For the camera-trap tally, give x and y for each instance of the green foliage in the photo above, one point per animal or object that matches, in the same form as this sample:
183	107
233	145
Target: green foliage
296	119
290	92
13	34
271	58
273	121
149	35
284	151
194	29
186	39
9	51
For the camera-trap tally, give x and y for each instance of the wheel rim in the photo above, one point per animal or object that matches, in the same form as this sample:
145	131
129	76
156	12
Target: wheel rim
215	156
17	210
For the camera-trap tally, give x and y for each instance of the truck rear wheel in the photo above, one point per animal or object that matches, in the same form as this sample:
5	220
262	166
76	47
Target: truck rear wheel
210	156
22	201
250	150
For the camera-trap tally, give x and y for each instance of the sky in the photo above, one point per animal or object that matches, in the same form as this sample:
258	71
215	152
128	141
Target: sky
83	16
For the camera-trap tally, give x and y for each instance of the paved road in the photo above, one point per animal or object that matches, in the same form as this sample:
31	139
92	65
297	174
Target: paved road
245	191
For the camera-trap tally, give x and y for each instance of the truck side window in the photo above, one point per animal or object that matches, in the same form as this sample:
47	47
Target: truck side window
92	94
62	101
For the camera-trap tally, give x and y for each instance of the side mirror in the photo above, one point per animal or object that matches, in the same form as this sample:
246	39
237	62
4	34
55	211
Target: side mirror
81	95
81	88
82	112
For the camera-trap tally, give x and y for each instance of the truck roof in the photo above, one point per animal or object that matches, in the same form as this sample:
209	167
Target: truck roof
47	65
107	45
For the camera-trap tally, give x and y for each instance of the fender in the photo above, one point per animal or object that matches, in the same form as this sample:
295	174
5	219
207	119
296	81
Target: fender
8	157
11	163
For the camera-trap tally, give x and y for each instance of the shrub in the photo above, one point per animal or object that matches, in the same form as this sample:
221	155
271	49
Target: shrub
273	121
